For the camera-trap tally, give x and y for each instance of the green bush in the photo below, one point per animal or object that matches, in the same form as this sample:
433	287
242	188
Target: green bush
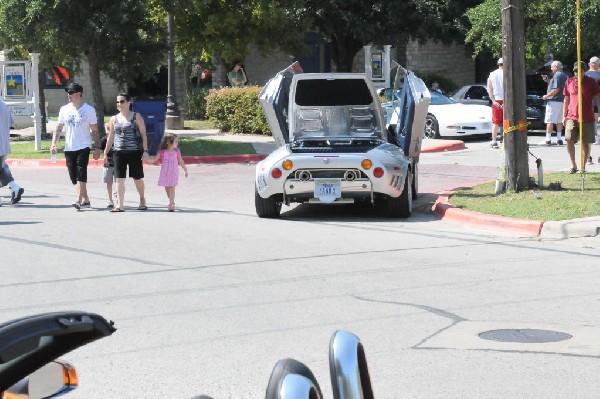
237	110
197	102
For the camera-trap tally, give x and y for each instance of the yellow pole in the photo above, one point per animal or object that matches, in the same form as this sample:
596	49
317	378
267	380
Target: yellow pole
579	94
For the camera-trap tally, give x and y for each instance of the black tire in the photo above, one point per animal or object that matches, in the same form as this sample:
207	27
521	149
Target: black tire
401	207
267	207
432	128
415	180
284	367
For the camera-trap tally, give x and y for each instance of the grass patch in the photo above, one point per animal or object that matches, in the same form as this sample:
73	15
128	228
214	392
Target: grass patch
189	147
198	124
537	204
195	146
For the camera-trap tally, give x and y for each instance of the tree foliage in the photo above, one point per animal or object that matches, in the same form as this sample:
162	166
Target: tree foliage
550	27
112	35
351	24
229	29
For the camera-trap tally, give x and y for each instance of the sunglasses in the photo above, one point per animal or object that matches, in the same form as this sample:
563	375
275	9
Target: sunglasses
72	92
121	101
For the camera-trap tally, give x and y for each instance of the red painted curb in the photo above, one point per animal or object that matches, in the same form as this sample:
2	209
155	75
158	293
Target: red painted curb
448	212
449	145
209	159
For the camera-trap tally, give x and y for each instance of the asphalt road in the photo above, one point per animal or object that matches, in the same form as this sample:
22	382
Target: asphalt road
208	298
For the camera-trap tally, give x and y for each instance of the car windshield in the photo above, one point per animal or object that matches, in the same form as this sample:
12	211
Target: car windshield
439	99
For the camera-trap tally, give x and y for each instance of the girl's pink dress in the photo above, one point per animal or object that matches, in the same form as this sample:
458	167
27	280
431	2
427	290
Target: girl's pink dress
169	169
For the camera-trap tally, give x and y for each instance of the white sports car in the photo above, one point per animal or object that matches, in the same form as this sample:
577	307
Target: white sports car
334	147
446	118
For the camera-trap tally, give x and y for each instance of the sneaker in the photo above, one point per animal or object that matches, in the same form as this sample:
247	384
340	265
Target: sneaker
548	143
590	162
76	205
86	204
494	144
559	142
110	205
15	196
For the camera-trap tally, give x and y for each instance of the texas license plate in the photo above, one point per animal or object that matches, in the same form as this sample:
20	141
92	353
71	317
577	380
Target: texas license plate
327	190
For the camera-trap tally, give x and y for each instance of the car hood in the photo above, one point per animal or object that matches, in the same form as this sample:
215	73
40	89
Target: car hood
461	111
29	343
274	99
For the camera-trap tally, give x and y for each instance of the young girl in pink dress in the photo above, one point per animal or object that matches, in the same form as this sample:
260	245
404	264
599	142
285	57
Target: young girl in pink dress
170	158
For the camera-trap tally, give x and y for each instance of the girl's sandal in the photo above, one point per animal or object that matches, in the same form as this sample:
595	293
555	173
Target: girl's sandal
117	210
171	207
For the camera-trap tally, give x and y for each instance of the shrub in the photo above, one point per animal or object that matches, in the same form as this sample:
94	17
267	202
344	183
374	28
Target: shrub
197	102
237	110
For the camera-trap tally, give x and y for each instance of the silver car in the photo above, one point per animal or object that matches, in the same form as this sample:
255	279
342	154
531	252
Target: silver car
334	146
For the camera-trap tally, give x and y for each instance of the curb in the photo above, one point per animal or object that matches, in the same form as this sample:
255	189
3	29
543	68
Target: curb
447	145
446	211
189	160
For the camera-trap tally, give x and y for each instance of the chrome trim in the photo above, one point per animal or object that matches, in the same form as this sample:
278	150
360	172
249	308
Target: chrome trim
296	386
348	367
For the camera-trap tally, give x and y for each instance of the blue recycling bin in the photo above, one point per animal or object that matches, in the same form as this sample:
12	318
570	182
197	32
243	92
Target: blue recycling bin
154	113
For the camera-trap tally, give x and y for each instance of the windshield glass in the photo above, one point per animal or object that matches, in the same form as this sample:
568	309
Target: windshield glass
439	99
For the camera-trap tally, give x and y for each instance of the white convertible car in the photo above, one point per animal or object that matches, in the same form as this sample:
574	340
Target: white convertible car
334	147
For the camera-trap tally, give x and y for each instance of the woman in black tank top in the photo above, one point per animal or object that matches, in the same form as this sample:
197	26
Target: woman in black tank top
128	133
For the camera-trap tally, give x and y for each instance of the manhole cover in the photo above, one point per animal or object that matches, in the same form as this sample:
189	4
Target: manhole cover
525	336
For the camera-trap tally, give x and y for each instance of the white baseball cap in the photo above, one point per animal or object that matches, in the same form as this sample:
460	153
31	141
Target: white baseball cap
500	61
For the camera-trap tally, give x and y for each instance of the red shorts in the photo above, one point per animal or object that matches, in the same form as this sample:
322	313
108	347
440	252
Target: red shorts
497	113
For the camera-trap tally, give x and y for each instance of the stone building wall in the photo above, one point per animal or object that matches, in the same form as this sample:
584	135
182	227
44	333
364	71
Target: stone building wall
452	60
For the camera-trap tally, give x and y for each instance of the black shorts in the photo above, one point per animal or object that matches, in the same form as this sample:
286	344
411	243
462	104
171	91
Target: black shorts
77	163
133	159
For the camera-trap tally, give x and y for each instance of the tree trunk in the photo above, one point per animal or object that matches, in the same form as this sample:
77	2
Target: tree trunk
92	58
343	50
41	83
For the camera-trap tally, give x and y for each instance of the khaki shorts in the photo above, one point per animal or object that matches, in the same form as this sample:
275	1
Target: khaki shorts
572	131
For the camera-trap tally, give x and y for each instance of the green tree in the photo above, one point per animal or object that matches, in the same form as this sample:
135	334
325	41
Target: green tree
227	31
351	24
550	27
113	36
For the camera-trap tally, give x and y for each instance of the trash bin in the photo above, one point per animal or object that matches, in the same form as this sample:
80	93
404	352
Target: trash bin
154	112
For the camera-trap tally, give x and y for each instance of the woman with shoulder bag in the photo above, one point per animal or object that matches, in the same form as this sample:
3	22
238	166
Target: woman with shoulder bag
125	130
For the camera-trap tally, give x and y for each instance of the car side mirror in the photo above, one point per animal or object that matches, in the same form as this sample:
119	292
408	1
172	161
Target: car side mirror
348	367
53	379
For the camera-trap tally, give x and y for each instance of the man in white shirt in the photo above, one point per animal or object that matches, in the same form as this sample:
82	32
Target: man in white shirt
78	119
495	88
6	178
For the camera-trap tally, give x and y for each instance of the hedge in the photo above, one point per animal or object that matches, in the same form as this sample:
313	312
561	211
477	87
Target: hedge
237	110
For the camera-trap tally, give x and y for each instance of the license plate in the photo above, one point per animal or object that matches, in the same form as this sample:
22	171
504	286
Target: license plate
327	190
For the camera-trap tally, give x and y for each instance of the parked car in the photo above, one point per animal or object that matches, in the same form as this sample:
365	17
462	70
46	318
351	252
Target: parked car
334	146
478	94
30	346
446	118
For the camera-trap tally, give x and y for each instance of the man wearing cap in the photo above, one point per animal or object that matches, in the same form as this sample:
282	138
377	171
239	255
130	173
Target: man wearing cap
554	102
495	88
78	119
571	118
594	73
6	178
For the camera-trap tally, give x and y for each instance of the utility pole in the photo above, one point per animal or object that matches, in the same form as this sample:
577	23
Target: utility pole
515	108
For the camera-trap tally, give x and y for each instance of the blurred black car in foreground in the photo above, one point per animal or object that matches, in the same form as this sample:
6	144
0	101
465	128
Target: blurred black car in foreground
477	94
